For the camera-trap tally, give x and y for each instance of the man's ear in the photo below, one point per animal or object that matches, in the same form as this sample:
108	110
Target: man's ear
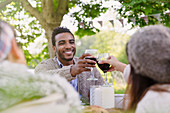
54	48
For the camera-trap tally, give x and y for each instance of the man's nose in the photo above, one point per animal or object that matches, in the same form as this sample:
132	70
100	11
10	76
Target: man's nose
68	45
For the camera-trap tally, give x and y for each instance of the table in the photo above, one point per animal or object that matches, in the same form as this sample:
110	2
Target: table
115	110
98	109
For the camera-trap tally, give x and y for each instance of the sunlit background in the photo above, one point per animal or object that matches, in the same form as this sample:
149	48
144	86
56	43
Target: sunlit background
115	31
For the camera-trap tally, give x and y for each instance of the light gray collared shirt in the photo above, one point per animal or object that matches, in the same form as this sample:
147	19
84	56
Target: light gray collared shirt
74	82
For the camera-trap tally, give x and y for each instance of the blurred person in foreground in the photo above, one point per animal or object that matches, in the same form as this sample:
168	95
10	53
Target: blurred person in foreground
69	66
24	92
148	54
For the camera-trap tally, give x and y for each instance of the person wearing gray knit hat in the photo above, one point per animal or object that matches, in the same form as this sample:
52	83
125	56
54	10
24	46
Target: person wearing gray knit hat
148	53
148	87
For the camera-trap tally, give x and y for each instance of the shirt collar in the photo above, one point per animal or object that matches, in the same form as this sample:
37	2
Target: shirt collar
59	63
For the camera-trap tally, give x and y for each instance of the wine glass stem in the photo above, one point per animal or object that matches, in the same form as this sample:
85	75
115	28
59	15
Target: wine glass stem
92	75
105	74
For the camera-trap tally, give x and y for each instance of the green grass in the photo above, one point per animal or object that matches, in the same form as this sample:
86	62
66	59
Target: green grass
120	91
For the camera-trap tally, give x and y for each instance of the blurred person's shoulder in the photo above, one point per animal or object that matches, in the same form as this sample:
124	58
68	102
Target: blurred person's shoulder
155	101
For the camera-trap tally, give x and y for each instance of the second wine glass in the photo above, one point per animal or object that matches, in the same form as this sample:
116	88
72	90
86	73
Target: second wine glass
104	67
94	53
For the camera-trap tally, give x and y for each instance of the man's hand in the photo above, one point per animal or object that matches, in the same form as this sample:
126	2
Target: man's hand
82	65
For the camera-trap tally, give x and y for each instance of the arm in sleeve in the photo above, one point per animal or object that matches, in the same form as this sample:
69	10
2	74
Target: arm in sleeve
51	69
126	73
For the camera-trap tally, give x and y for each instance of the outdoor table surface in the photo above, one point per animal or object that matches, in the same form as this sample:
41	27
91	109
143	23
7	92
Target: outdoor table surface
110	110
115	110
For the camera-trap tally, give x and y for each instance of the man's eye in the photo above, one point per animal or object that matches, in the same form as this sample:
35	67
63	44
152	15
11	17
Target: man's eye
71	42
61	43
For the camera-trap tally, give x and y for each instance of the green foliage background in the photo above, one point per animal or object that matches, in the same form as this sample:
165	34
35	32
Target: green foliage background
106	42
135	9
110	42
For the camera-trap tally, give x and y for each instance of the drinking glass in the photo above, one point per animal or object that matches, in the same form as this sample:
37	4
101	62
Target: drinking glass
104	67
94	53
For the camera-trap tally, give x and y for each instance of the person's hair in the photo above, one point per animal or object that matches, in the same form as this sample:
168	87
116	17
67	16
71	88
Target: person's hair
137	87
59	30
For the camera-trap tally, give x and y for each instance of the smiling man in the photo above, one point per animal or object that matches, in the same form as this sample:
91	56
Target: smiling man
68	66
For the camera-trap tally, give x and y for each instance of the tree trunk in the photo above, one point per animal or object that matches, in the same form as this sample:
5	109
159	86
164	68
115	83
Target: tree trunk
48	18
49	35
49	27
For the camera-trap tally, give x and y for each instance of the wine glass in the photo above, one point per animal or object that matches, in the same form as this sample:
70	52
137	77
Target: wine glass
104	67
94	53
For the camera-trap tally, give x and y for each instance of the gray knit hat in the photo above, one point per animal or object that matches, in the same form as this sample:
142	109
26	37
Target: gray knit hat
149	52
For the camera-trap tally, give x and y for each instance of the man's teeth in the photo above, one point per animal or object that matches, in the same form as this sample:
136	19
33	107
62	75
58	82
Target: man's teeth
68	52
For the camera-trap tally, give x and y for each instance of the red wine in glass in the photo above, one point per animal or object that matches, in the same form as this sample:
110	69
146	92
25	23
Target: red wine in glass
94	53
104	67
91	58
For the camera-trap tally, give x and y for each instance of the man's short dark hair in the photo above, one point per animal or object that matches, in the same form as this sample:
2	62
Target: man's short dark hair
59	30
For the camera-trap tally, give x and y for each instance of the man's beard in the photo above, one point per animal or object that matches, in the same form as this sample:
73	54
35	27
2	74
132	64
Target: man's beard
70	59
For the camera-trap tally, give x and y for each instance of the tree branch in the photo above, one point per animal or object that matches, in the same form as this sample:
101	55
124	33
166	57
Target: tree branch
33	11
44	8
62	8
3	4
50	6
48	11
